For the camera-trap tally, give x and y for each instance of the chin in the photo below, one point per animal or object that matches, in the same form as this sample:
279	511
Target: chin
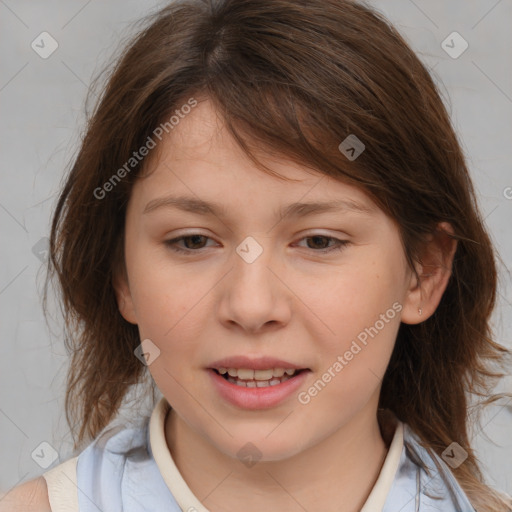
250	449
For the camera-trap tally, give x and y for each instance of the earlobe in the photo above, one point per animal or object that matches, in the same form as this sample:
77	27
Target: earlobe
434	270
124	298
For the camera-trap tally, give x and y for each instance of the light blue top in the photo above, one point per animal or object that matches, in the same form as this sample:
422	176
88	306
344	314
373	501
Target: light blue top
118	472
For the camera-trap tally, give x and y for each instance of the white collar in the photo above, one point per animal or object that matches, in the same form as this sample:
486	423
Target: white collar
186	499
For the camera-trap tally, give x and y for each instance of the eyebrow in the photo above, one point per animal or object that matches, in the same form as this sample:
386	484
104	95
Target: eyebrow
201	207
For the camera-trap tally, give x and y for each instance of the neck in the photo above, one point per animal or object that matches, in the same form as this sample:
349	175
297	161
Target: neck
340	469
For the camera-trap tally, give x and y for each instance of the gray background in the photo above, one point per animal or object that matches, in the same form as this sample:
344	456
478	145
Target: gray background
42	102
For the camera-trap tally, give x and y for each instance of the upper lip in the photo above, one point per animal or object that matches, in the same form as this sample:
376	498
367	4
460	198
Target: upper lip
256	363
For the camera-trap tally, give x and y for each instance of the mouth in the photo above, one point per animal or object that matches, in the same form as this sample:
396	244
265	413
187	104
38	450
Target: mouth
250	378
256	389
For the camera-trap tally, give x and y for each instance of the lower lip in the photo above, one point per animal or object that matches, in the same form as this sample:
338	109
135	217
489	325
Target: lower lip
257	398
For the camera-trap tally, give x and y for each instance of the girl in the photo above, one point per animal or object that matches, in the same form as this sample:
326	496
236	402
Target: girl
271	223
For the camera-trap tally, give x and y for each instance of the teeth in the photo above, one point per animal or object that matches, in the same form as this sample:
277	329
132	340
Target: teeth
246	374
258	383
259	375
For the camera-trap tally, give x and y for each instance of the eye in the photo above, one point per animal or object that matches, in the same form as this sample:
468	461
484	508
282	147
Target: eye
338	244
172	244
194	240
317	240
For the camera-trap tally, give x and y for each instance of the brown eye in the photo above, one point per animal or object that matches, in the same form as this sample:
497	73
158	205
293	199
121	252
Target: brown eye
190	247
320	243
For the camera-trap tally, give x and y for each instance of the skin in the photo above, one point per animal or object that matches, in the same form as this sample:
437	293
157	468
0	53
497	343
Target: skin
293	302
31	496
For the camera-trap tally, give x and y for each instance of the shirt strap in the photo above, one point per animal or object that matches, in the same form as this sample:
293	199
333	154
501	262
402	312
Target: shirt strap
62	486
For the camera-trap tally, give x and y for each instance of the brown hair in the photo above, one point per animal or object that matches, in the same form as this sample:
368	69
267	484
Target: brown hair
296	78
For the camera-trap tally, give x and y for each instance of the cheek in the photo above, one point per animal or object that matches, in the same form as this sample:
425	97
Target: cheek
354	359
355	298
170	301
163	291
362	308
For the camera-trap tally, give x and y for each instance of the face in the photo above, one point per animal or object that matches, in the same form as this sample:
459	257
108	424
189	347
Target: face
322	291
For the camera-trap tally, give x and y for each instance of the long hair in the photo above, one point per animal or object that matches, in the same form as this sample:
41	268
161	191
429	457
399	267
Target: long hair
295	77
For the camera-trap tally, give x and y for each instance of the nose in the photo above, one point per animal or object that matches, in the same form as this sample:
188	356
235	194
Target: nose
254	296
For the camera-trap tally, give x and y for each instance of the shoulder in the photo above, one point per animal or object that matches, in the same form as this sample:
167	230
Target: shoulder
32	496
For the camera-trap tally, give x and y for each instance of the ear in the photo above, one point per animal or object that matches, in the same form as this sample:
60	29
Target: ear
434	269
123	296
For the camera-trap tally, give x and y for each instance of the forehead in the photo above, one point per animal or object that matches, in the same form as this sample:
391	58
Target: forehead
201	168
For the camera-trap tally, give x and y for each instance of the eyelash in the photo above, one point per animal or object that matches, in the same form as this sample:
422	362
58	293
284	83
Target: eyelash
172	243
